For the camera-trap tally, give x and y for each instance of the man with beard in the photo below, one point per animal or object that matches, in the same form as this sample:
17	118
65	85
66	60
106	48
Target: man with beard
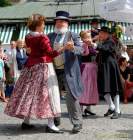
67	67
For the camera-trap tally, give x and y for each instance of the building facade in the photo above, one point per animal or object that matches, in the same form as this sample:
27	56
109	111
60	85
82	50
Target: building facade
13	19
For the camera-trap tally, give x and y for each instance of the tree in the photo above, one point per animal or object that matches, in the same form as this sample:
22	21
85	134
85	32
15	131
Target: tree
4	3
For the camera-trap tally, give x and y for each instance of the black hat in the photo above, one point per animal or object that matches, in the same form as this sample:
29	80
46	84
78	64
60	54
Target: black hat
105	29
63	15
94	20
113	29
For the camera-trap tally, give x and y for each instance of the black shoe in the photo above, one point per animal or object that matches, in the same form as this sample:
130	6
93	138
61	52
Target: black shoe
25	126
109	112
116	115
87	112
49	130
76	128
57	121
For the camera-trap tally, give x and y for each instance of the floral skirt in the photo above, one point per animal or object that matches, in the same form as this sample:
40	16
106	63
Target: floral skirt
36	93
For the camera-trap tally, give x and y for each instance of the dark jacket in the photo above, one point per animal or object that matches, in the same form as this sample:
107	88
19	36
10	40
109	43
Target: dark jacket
109	80
21	60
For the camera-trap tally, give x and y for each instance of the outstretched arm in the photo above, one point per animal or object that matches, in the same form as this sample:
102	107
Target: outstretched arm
74	45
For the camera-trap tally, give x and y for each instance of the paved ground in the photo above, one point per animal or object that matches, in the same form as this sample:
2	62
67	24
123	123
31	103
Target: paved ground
94	128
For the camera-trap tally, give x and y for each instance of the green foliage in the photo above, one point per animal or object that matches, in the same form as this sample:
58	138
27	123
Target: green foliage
117	30
4	3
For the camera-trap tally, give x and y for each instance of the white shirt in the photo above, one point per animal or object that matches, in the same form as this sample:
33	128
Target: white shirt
59	60
125	54
22	53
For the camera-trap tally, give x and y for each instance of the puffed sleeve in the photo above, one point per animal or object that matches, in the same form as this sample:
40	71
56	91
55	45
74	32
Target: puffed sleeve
46	47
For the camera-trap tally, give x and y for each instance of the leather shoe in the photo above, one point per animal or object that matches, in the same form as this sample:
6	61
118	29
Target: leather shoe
57	121
116	115
49	130
109	112
87	112
76	128
25	126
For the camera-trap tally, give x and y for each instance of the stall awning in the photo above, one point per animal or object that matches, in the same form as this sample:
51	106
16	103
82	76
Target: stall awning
6	34
50	28
77	27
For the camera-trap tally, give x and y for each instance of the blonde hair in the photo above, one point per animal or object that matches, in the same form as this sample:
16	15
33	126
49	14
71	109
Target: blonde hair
83	33
34	21
21	43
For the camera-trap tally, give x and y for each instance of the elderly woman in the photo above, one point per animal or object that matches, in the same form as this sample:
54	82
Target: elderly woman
109	81
36	93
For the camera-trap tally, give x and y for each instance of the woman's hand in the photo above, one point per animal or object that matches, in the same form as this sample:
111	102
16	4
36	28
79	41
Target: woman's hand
61	50
90	43
69	45
96	38
28	50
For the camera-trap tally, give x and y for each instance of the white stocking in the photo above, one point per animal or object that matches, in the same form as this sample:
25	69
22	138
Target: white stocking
117	103
51	124
88	108
109	101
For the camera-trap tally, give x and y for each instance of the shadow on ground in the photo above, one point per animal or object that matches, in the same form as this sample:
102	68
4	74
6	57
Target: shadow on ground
15	130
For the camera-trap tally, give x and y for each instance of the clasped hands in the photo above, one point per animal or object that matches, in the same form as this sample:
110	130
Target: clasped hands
68	46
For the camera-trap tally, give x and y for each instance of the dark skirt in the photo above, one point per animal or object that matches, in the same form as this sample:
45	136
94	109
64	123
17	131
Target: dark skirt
109	80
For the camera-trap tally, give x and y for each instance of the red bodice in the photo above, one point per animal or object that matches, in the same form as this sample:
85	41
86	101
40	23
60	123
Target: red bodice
41	51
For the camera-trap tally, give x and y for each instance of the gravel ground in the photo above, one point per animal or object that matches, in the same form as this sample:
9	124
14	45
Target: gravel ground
94	128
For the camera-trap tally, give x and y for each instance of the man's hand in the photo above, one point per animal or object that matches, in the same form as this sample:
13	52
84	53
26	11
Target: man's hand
69	45
96	38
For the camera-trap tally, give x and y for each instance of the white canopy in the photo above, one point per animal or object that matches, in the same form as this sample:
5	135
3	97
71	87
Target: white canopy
129	31
117	10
